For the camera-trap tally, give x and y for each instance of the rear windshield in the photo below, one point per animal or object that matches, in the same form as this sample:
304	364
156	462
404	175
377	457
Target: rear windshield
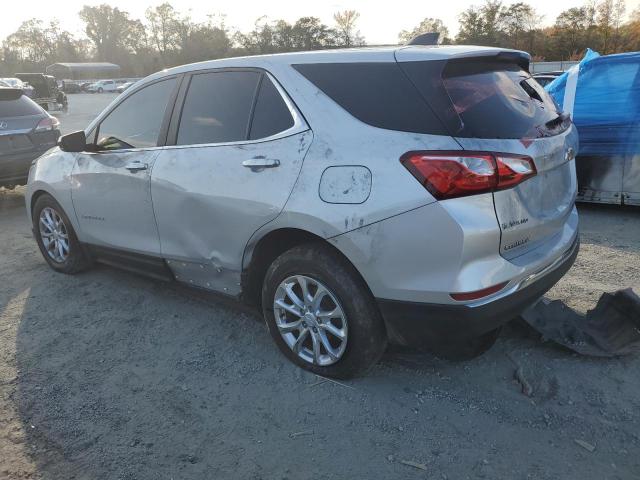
498	100
379	94
477	98
20	107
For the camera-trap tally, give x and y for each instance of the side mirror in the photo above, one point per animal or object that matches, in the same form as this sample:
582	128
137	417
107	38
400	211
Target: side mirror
73	142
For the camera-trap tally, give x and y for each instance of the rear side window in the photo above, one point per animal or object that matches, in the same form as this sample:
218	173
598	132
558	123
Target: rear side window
217	107
137	121
379	94
271	114
19	107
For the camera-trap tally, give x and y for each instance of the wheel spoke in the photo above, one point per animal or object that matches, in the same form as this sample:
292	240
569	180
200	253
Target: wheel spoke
289	308
333	330
300	340
316	348
335	313
327	346
317	298
293	297
306	296
289	327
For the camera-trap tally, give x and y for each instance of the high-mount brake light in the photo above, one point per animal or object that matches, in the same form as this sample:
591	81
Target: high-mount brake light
461	173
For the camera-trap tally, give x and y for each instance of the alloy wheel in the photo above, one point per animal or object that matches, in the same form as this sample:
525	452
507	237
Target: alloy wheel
310	320
54	235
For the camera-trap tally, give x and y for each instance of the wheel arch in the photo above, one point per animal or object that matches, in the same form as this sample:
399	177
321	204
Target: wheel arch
272	244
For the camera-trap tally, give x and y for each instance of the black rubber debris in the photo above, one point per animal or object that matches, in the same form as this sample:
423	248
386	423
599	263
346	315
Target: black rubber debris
611	329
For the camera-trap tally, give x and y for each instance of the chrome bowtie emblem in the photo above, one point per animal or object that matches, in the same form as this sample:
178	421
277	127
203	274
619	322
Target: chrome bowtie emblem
3	125
570	155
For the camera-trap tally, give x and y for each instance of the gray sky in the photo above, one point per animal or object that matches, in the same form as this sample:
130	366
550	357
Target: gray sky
379	22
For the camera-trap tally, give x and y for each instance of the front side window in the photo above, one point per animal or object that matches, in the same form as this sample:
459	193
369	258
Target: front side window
137	121
218	107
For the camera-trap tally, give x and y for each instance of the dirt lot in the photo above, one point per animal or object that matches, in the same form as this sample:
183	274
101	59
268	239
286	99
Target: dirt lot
107	375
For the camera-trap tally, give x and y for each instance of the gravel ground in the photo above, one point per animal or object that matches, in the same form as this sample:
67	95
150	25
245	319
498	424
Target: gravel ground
107	375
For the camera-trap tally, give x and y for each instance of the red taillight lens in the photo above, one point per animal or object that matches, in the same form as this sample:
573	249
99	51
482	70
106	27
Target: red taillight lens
485	292
47	124
458	174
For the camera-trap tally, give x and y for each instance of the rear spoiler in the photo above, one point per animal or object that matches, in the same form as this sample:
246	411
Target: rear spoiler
10	93
462	53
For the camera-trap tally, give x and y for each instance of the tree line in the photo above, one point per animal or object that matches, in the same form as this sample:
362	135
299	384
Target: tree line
166	37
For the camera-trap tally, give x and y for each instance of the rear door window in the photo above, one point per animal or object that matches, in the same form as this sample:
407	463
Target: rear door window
19	107
217	107
271	114
136	122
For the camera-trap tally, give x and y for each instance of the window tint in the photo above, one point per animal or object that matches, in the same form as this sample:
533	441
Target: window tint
217	107
271	114
379	94
498	100
18	107
136	122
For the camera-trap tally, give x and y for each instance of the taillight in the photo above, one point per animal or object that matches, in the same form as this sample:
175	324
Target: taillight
47	124
458	174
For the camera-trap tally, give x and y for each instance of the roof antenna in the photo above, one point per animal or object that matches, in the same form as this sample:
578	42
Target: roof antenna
425	39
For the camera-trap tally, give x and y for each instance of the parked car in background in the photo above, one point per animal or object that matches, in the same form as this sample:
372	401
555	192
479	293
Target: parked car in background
69	86
26	132
546	78
102	86
3	84
17	83
121	88
326	189
46	91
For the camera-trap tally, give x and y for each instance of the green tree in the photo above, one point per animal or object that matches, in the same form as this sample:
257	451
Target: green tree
347	34
111	31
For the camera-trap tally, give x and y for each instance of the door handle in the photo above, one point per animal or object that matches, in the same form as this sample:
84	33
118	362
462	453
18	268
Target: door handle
136	166
261	163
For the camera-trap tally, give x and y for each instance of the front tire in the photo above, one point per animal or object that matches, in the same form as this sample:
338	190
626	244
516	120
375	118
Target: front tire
100	90
321	314
56	238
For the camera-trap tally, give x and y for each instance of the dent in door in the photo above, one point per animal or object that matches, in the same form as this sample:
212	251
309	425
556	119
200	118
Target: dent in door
208	204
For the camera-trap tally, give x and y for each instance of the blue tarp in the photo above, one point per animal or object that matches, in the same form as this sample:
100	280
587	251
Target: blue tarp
607	103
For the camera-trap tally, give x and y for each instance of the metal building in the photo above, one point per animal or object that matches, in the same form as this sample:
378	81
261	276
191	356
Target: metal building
78	71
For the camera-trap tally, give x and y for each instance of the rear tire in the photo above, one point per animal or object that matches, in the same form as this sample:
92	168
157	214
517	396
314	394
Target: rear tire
356	336
56	238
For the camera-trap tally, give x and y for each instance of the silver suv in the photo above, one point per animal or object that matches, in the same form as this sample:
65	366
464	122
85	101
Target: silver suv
417	195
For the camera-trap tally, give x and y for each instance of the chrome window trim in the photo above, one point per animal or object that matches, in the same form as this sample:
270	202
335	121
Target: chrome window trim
299	123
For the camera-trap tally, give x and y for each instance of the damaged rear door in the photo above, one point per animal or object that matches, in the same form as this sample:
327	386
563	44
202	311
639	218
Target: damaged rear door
237	148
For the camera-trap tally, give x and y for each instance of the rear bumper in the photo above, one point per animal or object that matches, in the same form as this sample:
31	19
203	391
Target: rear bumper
416	324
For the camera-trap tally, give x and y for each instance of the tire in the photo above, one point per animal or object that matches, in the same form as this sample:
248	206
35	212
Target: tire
467	349
75	260
365	337
100	90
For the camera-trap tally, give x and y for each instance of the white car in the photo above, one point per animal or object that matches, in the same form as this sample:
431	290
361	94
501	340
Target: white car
102	86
